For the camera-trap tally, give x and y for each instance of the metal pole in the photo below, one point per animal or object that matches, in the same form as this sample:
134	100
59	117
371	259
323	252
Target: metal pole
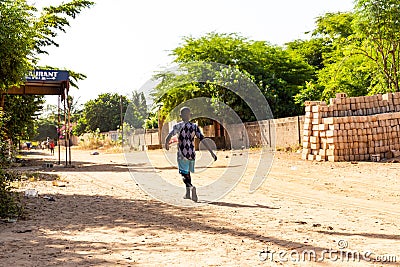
58	130
69	127
65	127
269	132
122	123
298	128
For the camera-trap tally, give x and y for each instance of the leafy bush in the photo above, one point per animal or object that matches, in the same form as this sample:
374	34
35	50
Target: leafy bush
96	140
10	204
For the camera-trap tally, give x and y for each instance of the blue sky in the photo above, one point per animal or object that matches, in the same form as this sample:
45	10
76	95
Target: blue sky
119	44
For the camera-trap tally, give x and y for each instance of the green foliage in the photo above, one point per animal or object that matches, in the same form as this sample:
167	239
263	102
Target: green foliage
19	115
362	51
10	204
353	52
312	51
54	19
3	143
136	115
350	75
16	41
311	92
103	113
277	73
25	33
377	37
152	121
334	26
80	127
45	128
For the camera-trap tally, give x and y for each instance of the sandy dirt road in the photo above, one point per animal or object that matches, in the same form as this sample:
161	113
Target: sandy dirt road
100	217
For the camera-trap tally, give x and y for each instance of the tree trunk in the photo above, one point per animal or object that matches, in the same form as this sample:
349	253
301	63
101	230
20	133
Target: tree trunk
2	101
394	64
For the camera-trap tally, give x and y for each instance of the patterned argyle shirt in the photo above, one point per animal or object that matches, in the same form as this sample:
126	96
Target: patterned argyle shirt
187	131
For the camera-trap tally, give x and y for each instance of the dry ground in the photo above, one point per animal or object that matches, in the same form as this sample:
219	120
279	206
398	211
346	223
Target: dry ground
100	217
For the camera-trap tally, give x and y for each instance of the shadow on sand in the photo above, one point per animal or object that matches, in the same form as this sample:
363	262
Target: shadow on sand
70	213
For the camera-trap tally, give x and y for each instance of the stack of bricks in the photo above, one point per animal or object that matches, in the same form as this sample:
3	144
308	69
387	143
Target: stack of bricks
352	129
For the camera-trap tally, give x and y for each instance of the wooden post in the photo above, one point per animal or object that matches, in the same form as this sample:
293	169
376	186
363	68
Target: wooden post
298	129
160	125
69	104
122	122
58	130
65	127
269	132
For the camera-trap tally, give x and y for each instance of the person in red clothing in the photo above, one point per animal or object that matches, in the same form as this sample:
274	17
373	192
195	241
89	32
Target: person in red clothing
51	146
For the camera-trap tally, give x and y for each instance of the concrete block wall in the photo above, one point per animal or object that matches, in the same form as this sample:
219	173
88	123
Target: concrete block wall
280	133
289	131
283	132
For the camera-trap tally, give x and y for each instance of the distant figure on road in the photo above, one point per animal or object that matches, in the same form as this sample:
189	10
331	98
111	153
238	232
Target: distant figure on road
51	146
43	145
186	132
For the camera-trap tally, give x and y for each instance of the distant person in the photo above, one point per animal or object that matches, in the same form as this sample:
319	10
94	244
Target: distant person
43	145
28	145
186	132
51	146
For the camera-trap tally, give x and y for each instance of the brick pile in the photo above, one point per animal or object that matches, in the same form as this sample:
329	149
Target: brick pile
352	129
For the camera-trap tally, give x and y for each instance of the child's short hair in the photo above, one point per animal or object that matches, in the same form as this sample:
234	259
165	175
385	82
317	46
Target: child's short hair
185	111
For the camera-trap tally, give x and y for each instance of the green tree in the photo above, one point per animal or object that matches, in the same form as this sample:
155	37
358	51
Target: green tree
103	113
152	121
341	69
277	73
20	125
16	41
45	128
139	110
312	51
47	123
25	33
377	38
363	51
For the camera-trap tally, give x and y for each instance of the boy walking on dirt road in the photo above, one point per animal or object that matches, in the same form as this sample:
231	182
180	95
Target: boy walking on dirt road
186	132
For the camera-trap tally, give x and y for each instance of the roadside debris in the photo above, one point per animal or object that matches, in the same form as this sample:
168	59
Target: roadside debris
31	193
49	198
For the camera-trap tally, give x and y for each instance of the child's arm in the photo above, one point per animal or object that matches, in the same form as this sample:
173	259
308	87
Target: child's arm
201	137
167	140
210	150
